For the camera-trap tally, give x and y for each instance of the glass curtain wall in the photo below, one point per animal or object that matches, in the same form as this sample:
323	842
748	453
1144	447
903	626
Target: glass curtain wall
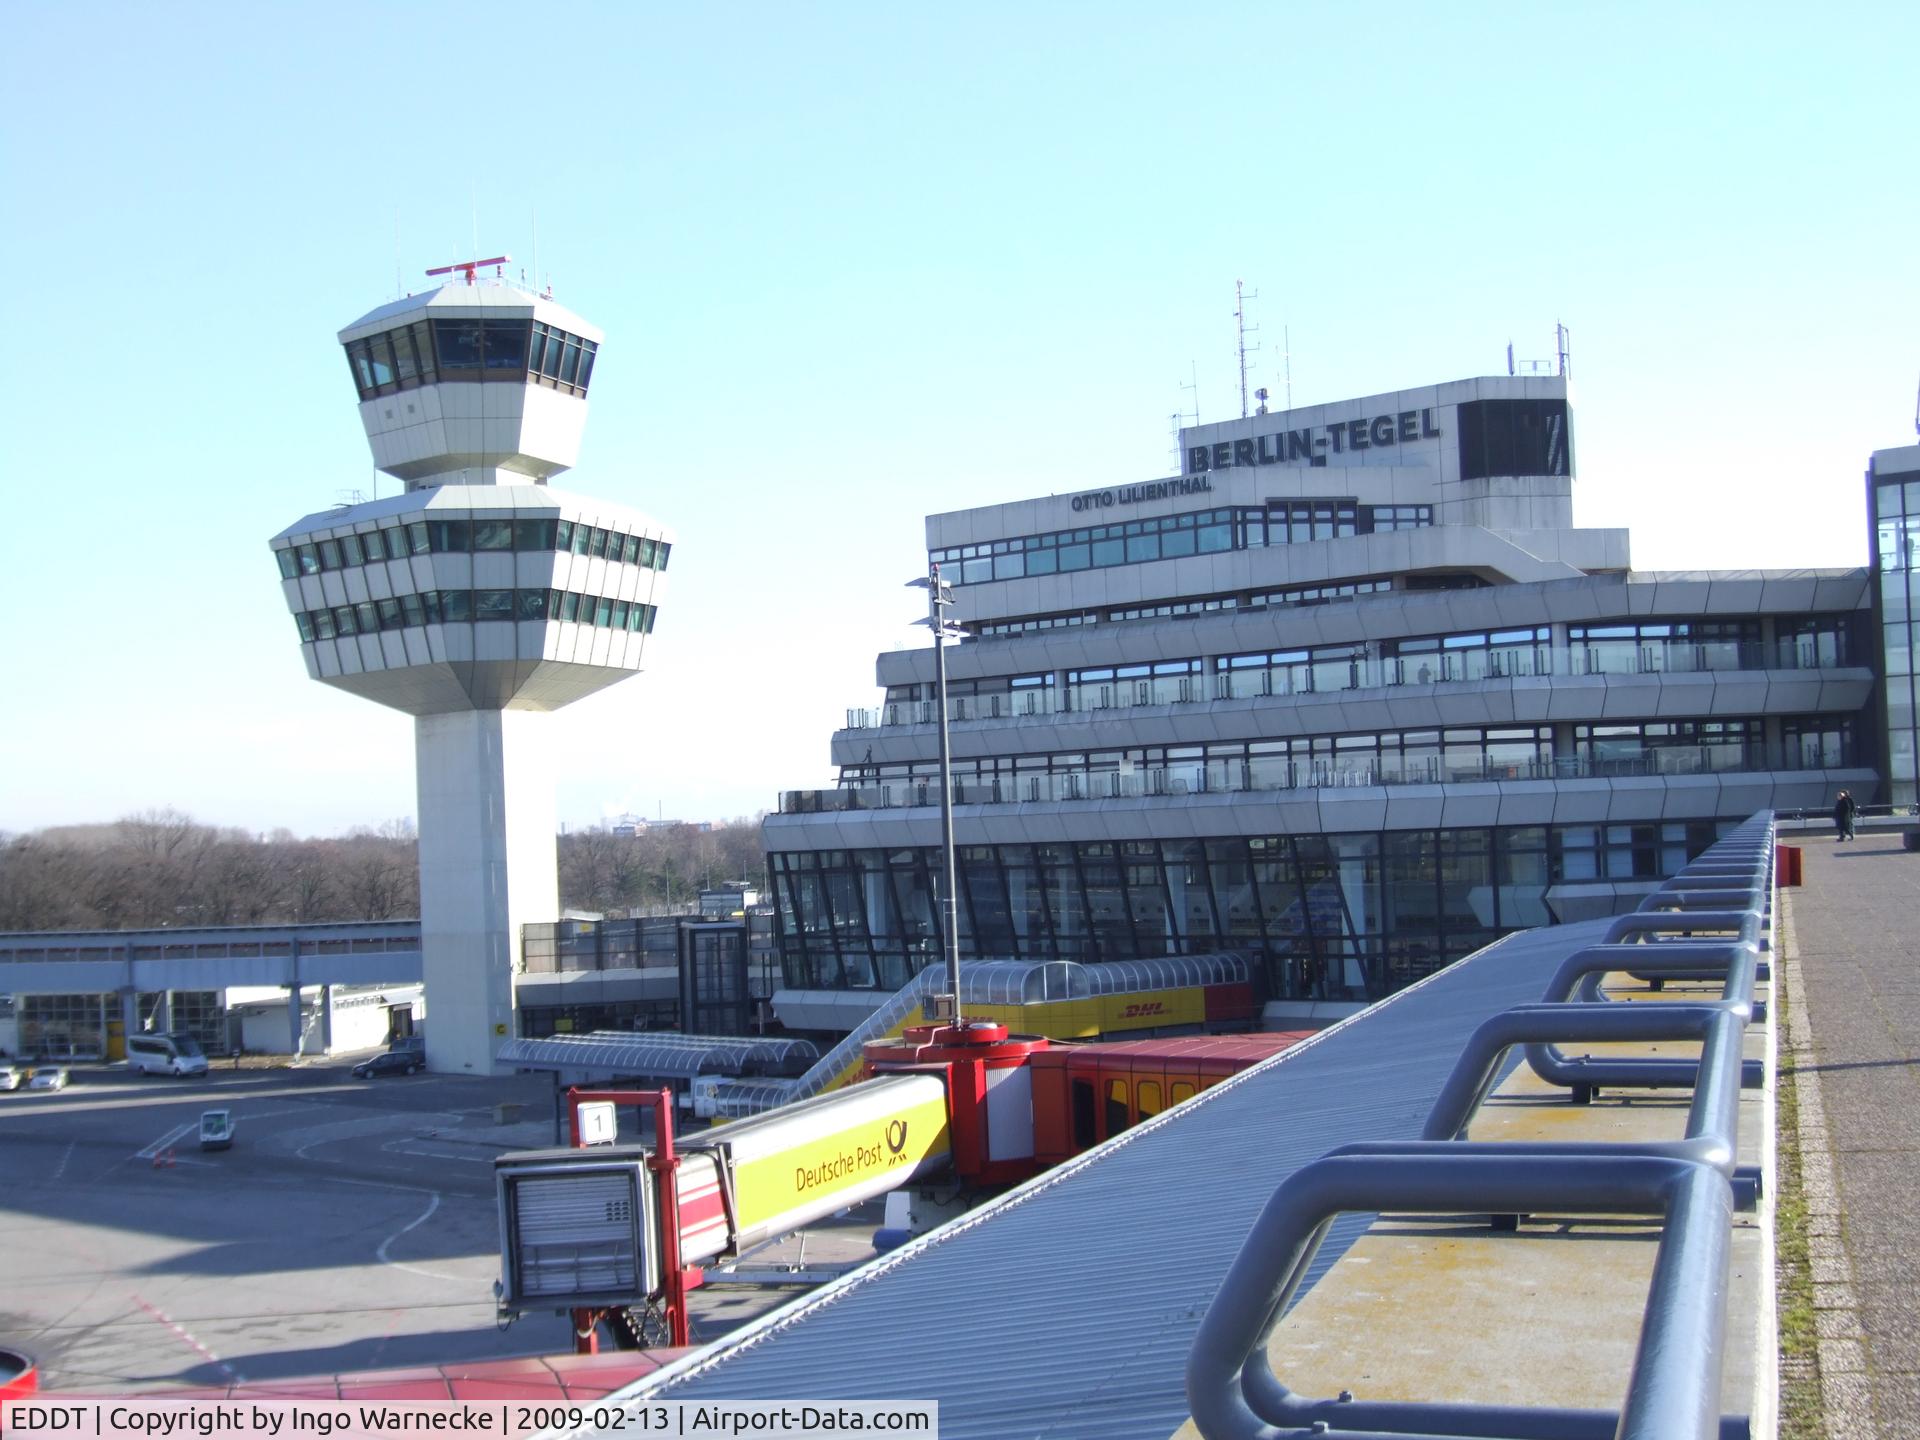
1895	501
1342	916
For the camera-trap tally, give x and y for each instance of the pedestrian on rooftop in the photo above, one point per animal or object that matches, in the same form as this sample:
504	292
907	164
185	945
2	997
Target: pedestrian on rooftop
1843	812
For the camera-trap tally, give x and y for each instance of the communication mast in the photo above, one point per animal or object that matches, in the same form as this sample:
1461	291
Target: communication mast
1563	342
1183	417
1240	298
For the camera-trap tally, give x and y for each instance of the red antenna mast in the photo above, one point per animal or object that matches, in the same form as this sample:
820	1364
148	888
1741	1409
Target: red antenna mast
467	267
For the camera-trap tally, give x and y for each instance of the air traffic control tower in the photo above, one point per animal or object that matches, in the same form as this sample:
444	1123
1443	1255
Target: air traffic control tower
477	601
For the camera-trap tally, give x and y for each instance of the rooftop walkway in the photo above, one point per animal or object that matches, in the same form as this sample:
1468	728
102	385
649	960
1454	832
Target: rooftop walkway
1853	992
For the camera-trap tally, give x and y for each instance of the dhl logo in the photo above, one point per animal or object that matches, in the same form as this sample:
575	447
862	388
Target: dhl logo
1140	1009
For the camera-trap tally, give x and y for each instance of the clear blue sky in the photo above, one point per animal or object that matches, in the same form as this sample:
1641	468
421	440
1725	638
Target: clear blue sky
857	264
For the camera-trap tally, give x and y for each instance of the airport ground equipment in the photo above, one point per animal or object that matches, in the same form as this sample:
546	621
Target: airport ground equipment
622	1233
1060	999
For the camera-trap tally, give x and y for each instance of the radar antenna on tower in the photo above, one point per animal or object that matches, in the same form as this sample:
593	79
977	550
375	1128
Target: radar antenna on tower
467	267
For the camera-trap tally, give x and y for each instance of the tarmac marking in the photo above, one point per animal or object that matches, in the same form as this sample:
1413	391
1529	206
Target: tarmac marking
61	1169
444	1153
172	1137
433	1204
191	1339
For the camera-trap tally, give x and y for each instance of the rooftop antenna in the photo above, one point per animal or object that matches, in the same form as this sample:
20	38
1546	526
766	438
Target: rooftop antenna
1240	298
1192	387
1261	396
1286	343
534	215
1563	342
1916	411
1175	421
397	280
1509	357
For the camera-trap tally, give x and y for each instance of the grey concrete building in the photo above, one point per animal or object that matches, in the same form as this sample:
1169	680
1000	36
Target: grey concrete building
1352	694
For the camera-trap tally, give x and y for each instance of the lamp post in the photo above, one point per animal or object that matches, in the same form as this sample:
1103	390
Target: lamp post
939	597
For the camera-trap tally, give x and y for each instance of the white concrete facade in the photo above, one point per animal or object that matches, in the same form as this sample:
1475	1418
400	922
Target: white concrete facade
1353	626
488	865
476	601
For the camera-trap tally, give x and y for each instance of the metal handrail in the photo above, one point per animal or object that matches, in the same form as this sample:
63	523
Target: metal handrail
1673	1391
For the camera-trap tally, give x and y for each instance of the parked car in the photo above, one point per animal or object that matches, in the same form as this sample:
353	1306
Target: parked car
394	1062
12	1077
49	1077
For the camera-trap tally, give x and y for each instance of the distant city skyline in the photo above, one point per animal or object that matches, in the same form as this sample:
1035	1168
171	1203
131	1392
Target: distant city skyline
860	266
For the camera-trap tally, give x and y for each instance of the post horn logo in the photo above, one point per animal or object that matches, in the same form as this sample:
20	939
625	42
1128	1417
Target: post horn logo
896	1137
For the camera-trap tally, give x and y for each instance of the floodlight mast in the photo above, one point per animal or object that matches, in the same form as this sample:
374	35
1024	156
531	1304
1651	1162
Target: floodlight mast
939	597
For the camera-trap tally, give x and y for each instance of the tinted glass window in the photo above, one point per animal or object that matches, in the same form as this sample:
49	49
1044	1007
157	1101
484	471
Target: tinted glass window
374	544
458	342
505	344
423	349
350	550
533	604
329	554
493	534
1514	437
533	534
447	537
493	604
289	567
456	605
361	365
404	364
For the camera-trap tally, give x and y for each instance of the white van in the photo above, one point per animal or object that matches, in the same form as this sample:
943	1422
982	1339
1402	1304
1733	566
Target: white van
172	1053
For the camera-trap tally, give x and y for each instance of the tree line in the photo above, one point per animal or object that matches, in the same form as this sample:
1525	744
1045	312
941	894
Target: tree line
163	868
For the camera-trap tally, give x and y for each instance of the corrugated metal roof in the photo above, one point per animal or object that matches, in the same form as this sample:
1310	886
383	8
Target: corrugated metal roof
1067	1307
661	1054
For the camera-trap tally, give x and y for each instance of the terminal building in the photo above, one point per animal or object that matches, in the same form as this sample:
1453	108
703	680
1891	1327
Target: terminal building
1351	696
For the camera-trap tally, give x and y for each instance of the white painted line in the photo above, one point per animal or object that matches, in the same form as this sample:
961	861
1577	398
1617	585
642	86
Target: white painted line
192	1341
172	1137
61	1169
380	1254
397	1149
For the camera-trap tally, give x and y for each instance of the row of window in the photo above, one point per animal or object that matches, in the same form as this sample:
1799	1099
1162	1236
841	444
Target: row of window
428	351
1804	642
1435	756
476	536
1169	537
1345	915
456	607
1237	600
1259	599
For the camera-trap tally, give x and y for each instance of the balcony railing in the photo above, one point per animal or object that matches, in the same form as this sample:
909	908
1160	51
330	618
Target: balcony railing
1323	675
1279	774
